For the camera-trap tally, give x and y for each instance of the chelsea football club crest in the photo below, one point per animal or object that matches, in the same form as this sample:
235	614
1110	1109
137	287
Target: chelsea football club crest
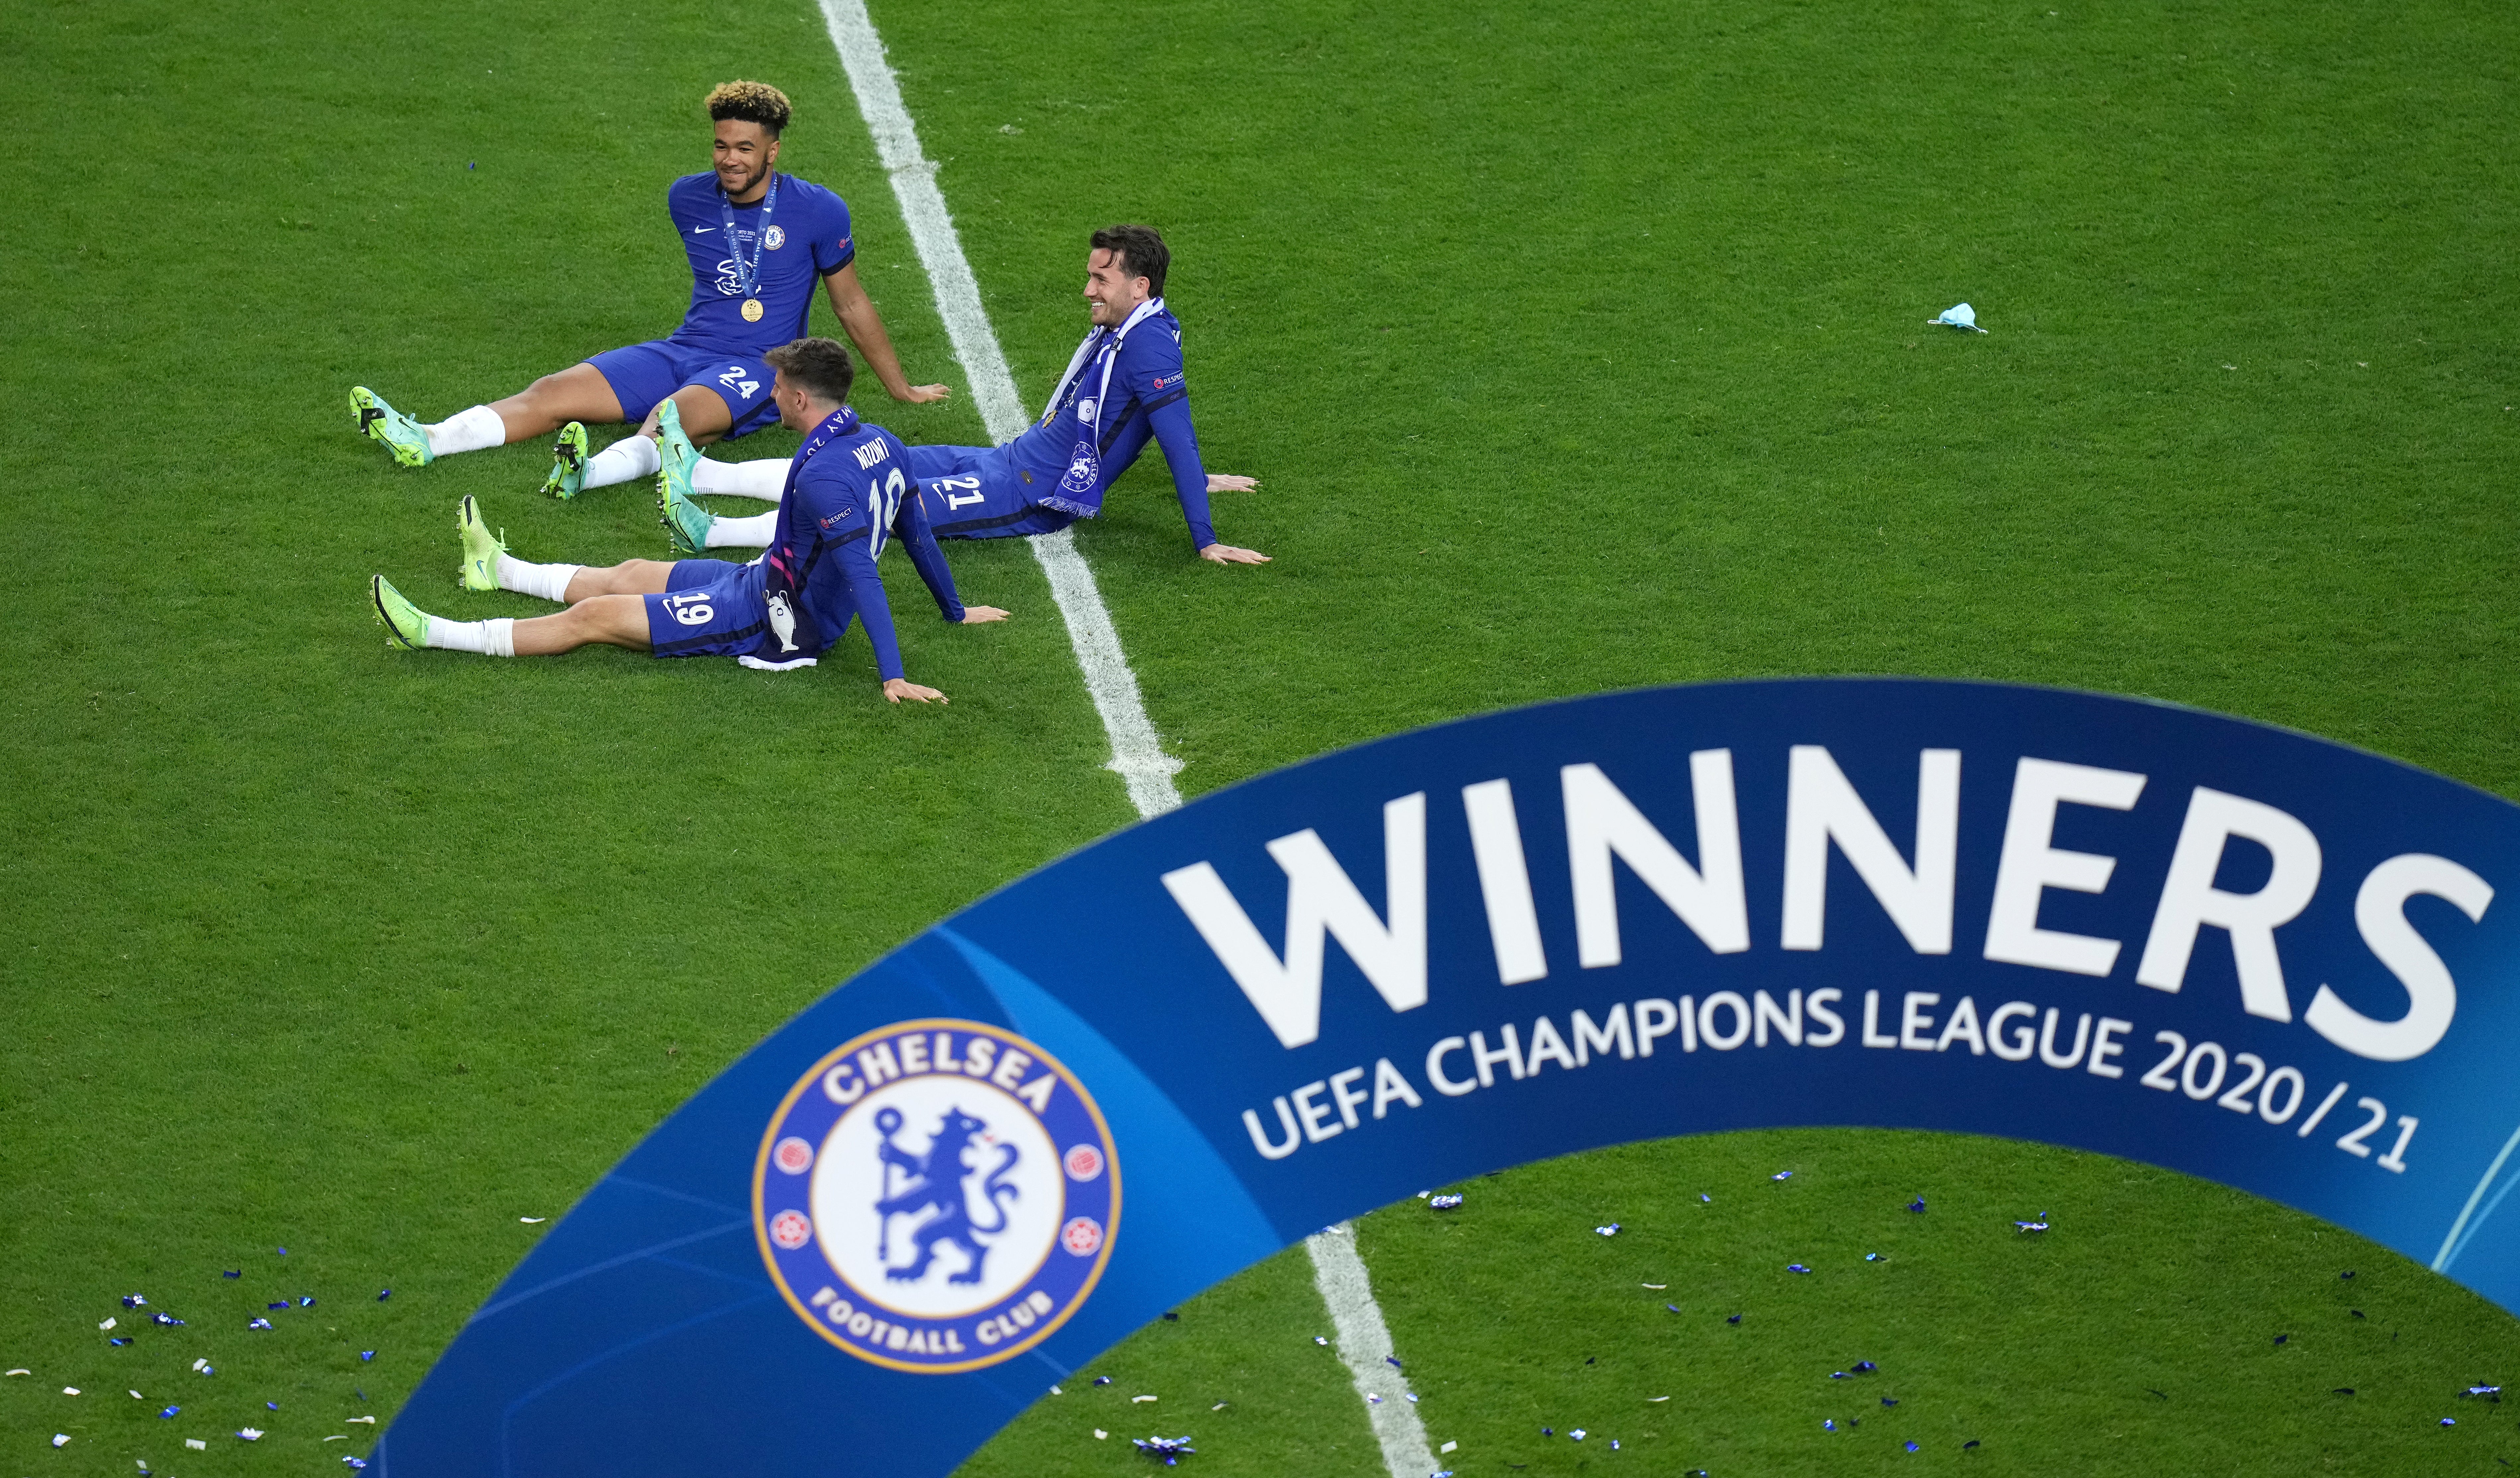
936	1197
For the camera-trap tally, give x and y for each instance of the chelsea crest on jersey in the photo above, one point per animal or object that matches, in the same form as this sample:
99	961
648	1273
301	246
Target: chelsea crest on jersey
936	1195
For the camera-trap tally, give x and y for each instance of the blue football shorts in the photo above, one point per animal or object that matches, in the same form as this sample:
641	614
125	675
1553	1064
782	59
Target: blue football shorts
644	373
977	492
715	610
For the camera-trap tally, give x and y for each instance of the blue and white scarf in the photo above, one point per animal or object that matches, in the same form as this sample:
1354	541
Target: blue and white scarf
1100	350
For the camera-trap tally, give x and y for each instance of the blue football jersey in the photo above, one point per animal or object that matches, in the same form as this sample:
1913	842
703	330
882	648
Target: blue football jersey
1100	421
848	493
805	240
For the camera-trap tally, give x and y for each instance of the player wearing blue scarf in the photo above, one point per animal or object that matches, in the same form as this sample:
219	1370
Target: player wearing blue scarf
1123	387
846	496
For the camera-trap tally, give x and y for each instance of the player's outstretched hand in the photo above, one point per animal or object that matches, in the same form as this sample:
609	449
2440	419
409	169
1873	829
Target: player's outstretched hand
920	394
973	615
1227	553
897	688
1227	482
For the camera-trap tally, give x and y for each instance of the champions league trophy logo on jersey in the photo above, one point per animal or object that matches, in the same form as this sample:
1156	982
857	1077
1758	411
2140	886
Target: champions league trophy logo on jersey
782	620
936	1197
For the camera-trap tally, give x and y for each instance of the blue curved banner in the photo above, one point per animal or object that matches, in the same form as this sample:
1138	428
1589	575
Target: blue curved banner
2238	952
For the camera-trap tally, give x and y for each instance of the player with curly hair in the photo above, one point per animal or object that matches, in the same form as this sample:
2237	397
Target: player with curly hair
758	242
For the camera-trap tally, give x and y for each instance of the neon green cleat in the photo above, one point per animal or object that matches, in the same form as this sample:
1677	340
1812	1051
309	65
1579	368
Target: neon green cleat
406	624
687	523
390	428
568	462
481	551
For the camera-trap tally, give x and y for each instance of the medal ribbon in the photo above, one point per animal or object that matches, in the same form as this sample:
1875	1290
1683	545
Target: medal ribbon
748	272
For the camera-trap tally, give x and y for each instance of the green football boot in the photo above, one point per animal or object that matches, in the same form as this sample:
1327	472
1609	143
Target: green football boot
390	428
568	462
406	625
481	551
687	523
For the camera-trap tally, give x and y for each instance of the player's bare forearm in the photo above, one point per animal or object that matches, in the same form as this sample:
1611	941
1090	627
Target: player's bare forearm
865	326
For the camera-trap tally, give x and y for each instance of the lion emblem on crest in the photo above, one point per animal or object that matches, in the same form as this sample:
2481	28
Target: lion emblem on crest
939	1185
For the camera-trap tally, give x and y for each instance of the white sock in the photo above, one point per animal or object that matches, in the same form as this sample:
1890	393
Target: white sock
754	532
469	431
549	581
492	639
630	456
764	478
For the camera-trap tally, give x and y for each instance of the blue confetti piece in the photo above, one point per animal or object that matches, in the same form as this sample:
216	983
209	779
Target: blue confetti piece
363	1356
1782	1175
1673	1308
117	1341
1912	1447
2282	1338
240	1273
308	1301
381	1297
1735	1320
1101	1380
1872	1257
1577	1434
133	1301
1865	1368
1837	1374
1614	1444
355	1463
1705	1199
1889	1401
2347	1274
1828	1425
1393	1361
282	1304
1965	1446
2450	1422
2032	1225
1612	1229
284	1252
2493	1391
1548	1431
1917	1206
259	1323
169	1412
1796	1268
1444	1203
164	1318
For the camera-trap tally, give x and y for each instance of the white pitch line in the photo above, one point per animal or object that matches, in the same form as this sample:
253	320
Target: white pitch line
1363	1340
1136	749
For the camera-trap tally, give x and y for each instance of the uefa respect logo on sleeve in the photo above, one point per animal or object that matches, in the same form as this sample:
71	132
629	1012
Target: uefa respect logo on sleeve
936	1195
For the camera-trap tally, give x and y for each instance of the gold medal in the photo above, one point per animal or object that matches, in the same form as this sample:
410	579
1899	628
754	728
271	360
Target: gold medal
753	310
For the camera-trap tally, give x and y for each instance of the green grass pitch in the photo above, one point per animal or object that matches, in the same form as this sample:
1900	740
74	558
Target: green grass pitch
1577	347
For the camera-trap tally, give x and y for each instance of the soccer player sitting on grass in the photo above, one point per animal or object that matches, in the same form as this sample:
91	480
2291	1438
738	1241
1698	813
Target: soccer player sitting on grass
1122	387
844	497
758	241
